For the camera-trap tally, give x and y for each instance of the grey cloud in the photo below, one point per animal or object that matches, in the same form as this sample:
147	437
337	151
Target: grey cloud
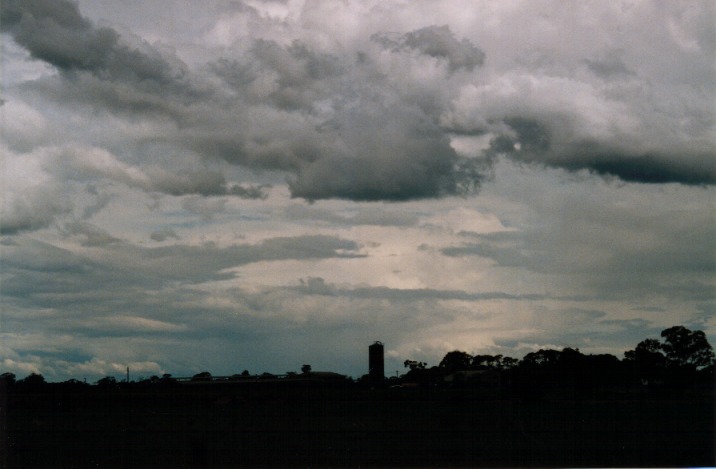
309	113
648	168
318	286
609	68
206	208
342	124
345	117
605	245
300	73
383	218
128	271
31	209
91	235
56	32
248	192
123	99
88	164
201	182
385	154
678	251
377	216
532	141
163	234
358	147
102	200
438	42
208	262
583	329
97	302
505	248
290	78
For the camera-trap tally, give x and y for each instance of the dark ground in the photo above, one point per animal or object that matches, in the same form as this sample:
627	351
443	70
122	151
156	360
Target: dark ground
309	425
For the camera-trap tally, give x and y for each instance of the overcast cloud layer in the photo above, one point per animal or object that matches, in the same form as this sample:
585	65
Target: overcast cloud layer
261	184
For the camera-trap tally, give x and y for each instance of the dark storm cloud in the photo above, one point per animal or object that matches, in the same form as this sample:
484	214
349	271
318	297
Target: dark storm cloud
365	123
373	143
370	143
652	169
531	140
391	154
56	32
100	69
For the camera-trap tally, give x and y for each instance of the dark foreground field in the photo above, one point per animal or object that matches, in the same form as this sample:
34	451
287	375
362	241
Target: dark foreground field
257	424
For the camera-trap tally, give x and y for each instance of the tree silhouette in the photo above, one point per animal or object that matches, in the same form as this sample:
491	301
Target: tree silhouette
540	359
107	382
203	376
685	348
414	365
32	381
647	355
9	378
456	360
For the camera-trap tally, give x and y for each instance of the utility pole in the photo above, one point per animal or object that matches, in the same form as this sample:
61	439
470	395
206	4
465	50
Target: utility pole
127	375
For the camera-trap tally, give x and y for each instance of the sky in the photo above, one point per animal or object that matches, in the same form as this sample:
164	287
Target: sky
234	185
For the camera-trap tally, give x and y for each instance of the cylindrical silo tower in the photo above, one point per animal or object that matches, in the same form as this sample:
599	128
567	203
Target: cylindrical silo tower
376	366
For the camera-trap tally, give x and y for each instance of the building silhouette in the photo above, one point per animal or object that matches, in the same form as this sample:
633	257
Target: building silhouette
376	364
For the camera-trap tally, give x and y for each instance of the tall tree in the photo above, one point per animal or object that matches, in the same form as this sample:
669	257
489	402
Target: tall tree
687	348
648	354
456	360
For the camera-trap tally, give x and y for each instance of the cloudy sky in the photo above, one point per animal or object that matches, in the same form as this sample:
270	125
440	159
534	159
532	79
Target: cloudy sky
246	184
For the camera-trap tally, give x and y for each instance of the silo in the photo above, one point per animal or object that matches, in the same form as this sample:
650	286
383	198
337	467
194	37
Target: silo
376	367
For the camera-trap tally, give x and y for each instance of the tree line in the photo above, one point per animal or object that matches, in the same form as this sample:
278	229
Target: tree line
679	359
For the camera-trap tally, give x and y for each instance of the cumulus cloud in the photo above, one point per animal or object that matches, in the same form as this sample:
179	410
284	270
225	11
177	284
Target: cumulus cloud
337	138
347	121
